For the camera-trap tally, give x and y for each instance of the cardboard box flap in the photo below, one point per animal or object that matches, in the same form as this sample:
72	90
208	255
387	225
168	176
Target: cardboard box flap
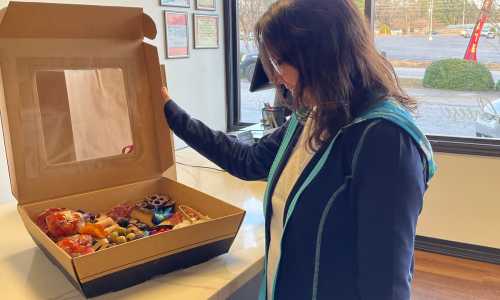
2	14
80	103
39	20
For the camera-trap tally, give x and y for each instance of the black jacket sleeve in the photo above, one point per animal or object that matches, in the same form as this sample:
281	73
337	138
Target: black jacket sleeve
249	162
388	185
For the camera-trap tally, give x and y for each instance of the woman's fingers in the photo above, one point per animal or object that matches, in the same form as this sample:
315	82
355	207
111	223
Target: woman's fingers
164	94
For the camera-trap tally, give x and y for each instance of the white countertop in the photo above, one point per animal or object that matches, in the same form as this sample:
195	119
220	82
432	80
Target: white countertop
25	272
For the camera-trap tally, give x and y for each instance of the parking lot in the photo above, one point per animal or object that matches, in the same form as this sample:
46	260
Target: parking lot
440	112
419	48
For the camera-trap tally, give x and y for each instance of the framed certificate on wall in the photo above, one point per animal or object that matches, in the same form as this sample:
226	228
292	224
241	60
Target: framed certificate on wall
176	34
205	4
206	31
177	3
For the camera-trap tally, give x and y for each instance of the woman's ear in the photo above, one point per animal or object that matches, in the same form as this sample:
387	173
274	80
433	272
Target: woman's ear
289	76
284	96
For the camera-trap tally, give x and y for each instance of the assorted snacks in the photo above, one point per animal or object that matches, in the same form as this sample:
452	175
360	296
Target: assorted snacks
80	232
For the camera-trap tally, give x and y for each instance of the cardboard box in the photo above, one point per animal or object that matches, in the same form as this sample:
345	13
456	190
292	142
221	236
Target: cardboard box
84	129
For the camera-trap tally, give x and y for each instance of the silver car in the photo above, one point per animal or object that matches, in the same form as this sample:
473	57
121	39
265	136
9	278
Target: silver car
488	119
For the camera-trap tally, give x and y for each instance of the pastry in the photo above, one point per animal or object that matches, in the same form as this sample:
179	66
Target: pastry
192	214
144	216
182	224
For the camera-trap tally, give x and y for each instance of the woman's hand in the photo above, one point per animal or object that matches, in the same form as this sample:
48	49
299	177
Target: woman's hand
164	95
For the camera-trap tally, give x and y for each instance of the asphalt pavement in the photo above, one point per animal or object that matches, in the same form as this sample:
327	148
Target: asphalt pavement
419	48
439	112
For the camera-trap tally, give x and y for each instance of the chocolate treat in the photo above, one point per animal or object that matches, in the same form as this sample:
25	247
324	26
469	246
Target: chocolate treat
156	201
144	206
123	222
164	208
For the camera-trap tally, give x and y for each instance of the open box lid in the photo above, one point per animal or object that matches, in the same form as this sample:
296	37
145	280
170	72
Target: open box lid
80	99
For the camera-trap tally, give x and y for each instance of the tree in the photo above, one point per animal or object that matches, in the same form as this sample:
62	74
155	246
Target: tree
413	15
249	13
360	4
451	12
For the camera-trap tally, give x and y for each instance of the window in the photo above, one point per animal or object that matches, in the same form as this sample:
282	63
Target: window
426	42
249	105
84	114
459	114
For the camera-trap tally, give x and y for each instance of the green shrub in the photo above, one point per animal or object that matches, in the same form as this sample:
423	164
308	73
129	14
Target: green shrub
458	74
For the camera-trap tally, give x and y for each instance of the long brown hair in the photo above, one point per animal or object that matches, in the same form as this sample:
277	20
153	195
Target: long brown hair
331	46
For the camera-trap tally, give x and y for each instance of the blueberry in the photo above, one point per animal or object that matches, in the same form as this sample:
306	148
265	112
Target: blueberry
123	222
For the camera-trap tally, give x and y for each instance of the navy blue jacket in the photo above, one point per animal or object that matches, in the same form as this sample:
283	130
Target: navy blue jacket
350	219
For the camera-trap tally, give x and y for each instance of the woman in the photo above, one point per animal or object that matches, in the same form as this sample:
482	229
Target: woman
345	182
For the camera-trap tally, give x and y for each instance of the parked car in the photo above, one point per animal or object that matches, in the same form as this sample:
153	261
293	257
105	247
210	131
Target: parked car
247	65
488	119
485	32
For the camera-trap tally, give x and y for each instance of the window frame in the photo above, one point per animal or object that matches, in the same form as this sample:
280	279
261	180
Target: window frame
444	144
232	46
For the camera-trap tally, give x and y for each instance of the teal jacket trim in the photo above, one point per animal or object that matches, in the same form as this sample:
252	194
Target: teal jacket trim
393	111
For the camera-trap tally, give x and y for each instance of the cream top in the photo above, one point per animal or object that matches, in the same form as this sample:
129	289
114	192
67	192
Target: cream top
298	160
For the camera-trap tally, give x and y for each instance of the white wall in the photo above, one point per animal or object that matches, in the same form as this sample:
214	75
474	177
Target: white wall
197	83
463	201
